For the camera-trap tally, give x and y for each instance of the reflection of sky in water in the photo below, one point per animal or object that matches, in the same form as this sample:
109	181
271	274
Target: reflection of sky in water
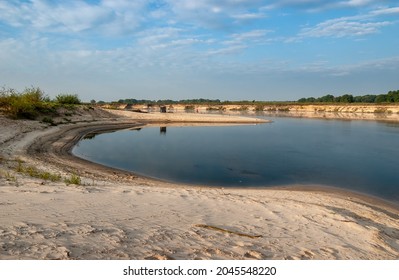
363	156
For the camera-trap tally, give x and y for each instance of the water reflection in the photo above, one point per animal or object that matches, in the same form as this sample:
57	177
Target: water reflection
361	156
90	136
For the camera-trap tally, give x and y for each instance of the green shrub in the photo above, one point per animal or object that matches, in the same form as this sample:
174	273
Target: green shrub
5	95
20	167
73	179
8	176
27	104
32	171
49	176
21	108
71	99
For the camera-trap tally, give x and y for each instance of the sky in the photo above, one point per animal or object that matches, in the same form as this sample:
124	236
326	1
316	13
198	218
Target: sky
271	50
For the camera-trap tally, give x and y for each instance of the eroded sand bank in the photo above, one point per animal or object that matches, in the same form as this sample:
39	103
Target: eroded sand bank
116	215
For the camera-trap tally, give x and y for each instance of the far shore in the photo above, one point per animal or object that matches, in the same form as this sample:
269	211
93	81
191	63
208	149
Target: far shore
113	214
353	111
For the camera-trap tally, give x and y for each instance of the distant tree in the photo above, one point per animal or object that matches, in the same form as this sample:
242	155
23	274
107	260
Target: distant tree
307	100
357	99
396	95
382	98
390	97
93	101
368	98
326	98
393	96
346	98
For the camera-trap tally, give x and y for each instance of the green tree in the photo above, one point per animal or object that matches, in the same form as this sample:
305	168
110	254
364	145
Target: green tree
393	96
382	98
346	98
326	98
368	98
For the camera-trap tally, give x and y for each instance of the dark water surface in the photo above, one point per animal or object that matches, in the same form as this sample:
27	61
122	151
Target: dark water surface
356	155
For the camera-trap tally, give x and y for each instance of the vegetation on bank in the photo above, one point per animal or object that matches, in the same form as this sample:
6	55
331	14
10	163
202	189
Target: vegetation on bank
33	102
20	167
390	97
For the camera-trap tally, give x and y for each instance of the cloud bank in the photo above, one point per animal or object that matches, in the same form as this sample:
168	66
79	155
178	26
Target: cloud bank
229	49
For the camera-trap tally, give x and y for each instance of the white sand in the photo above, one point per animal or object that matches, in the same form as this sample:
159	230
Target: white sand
117	216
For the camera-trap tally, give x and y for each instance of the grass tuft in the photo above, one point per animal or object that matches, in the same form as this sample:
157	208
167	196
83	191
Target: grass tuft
8	176
34	172
73	180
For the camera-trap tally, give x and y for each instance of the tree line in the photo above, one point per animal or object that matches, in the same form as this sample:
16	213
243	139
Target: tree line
390	97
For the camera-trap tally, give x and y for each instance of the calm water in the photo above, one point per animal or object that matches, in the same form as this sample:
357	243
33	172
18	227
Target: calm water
361	156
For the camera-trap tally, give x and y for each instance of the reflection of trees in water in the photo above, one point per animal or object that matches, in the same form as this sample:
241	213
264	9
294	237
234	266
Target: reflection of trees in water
162	130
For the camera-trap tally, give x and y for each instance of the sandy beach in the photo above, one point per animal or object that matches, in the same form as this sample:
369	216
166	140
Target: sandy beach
116	215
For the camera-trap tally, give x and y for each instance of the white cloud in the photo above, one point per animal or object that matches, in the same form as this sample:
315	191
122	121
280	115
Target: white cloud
226	51
386	11
216	14
321	5
383	64
342	28
237	43
299	4
73	16
350	26
249	16
356	3
256	36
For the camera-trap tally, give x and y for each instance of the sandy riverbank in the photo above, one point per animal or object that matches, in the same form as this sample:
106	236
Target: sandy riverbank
115	215
354	111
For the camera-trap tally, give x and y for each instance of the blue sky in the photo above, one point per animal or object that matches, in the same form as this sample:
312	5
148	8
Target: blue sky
178	49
